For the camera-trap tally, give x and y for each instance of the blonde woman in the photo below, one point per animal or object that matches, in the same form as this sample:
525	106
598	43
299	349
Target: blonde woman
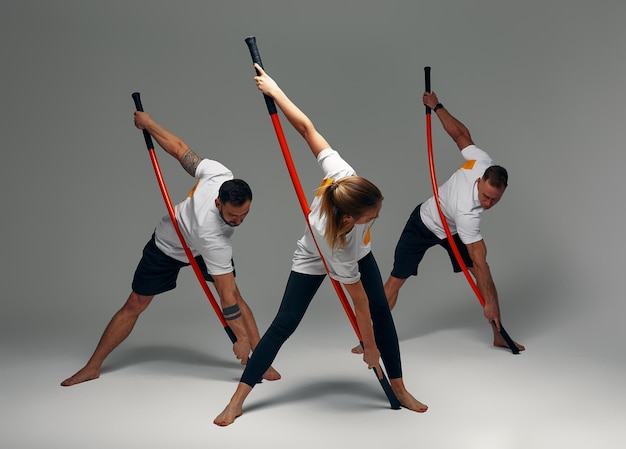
341	215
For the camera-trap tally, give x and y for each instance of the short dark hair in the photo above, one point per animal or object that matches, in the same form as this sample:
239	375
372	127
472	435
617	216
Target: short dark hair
497	176
235	192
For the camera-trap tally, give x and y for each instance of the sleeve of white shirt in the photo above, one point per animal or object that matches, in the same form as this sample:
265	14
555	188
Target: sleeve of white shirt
217	255
208	168
468	228
333	165
471	152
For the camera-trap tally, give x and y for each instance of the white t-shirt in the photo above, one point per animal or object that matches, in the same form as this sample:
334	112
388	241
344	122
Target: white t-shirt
199	220
459	199
342	263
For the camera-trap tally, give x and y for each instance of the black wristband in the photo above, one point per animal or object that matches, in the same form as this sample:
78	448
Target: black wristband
437	106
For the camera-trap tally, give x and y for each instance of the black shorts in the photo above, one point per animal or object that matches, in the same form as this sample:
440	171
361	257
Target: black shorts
415	240
157	272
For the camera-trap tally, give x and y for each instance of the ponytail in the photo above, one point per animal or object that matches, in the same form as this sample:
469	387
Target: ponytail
351	196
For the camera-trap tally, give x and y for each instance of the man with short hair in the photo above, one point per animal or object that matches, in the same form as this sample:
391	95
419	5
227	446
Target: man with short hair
207	217
476	186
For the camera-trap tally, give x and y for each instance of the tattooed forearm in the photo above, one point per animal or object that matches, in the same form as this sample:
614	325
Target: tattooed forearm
190	161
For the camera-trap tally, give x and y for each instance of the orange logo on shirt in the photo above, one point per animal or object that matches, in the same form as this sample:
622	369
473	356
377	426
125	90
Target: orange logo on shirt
325	182
367	237
468	165
193	189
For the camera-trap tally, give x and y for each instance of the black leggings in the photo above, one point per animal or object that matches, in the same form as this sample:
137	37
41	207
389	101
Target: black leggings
298	294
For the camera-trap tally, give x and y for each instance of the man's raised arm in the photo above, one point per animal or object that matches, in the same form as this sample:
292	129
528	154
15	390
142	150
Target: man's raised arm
171	143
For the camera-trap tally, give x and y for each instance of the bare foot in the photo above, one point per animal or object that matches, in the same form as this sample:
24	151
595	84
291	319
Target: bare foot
228	415
83	375
357	350
271	374
408	401
499	342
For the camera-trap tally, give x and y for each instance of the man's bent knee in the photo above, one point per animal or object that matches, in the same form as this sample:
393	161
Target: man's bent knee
393	285
137	303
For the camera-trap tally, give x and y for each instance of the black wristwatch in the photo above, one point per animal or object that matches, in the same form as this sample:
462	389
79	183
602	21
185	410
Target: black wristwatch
437	106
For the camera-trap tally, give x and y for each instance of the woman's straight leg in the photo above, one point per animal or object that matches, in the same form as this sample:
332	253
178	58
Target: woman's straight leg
299	292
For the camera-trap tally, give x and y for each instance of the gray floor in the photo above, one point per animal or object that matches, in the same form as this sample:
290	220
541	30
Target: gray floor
540	87
161	391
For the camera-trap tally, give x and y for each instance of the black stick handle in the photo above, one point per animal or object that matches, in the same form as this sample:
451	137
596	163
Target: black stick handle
427	84
256	58
146	135
394	403
509	341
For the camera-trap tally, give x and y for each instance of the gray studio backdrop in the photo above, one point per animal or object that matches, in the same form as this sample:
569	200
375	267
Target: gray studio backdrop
538	83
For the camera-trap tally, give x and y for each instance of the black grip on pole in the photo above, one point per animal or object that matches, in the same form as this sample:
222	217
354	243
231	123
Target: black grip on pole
427	83
256	59
137	99
394	403
254	50
146	135
231	334
509	341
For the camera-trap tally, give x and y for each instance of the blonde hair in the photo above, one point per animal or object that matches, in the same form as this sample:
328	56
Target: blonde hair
351	196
